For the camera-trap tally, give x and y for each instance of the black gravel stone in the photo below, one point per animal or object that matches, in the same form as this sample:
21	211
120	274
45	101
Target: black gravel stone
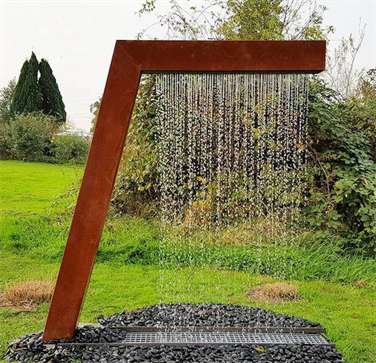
219	315
29	348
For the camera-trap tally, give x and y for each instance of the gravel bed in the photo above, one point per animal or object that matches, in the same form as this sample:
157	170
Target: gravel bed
30	348
225	353
219	315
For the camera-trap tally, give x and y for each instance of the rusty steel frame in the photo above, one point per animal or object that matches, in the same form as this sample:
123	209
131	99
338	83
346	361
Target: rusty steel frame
130	60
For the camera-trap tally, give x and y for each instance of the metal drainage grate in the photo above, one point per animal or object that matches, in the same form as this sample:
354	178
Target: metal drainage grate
263	329
203	338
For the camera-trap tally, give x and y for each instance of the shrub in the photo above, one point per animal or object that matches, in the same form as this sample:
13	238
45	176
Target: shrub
31	138
28	137
71	148
342	198
6	141
136	189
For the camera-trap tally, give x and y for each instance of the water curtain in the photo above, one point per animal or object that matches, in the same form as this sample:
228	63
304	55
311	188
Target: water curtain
231	147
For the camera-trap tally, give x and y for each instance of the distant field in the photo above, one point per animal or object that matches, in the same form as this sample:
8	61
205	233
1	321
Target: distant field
33	232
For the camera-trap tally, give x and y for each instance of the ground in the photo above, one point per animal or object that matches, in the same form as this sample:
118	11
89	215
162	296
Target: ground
34	224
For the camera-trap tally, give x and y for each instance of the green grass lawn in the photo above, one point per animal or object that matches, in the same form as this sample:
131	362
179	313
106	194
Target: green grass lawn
34	230
31	187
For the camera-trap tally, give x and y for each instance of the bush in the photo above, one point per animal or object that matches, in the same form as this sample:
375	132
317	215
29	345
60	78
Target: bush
31	138
136	189
6	142
342	198
71	148
27	137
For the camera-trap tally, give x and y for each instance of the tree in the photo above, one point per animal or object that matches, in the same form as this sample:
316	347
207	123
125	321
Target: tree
6	98
342	74
27	95
251	19
18	101
243	19
367	85
37	94
52	100
365	103
94	109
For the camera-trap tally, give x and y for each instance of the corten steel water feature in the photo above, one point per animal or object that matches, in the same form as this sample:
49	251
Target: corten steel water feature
130	60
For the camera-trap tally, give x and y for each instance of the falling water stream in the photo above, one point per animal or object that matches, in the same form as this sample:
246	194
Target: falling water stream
231	150
231	147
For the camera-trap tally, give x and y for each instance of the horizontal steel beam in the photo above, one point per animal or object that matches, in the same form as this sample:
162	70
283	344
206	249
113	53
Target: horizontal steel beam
226	56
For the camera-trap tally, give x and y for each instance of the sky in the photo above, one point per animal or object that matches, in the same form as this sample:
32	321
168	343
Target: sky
78	37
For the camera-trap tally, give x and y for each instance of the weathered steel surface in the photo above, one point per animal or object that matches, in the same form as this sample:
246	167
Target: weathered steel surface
227	56
130	59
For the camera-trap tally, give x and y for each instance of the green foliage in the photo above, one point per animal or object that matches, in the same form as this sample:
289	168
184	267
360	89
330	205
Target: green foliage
71	148
364	104
51	97
251	19
136	187
27	95
6	141
6	97
343	175
27	137
31	137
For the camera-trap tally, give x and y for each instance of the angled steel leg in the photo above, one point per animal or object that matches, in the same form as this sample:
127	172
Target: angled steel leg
94	197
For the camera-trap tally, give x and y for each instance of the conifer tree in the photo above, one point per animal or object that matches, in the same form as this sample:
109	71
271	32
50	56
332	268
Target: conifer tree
51	97
27	95
18	101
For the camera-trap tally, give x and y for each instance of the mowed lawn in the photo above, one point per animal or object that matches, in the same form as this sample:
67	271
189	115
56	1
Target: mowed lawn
27	193
31	187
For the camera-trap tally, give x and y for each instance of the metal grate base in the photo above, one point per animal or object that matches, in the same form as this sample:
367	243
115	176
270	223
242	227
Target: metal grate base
190	329
220	338
184	338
